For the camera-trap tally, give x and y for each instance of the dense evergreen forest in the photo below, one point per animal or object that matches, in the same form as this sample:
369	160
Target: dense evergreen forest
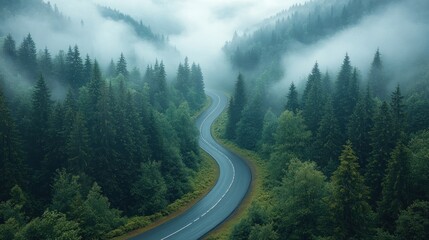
346	158
88	148
116	143
346	152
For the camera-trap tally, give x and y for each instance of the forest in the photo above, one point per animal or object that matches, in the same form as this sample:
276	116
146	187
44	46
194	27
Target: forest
346	158
117	144
92	143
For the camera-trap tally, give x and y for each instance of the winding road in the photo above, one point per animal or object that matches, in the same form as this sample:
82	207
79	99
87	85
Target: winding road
230	189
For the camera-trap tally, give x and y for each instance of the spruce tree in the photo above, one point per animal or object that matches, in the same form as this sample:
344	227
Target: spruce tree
382	145
395	193
197	82
121	66
9	48
249	128
45	64
235	108
38	142
341	100
377	80
292	99
77	146
328	141
313	100
349	206
87	70
74	68
12	170
398	114
27	56
360	126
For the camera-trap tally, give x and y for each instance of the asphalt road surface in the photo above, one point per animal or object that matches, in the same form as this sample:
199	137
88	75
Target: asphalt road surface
230	189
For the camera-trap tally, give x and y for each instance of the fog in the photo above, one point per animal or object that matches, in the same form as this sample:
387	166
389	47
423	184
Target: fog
196	28
400	32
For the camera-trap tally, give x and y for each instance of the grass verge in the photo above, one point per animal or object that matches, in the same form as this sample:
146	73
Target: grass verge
256	192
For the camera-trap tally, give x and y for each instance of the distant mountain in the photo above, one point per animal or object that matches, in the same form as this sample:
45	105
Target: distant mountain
38	9
140	29
301	24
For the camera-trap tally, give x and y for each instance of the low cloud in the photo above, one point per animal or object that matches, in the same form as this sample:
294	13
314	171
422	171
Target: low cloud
400	32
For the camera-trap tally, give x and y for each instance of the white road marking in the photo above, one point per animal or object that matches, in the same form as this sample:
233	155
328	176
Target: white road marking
230	185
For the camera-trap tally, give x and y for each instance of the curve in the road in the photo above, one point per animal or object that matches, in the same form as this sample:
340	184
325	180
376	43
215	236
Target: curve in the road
227	194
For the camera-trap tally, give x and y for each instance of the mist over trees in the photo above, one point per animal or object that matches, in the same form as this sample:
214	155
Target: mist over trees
117	144
91	140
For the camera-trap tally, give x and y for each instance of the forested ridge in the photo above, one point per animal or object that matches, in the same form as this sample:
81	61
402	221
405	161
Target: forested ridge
112	144
346	158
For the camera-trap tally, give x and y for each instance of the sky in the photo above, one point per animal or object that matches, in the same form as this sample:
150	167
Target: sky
198	29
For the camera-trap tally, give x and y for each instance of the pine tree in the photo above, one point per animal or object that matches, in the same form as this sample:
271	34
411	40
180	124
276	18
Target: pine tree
74	68
27	56
382	145
39	139
111	70
235	108
398	115
268	130
9	48
197	84
183	84
45	64
77	146
395	193
341	100
121	66
377	80
87	70
328	141
292	99
60	67
249	128
351	212
359	128
313	100
12	170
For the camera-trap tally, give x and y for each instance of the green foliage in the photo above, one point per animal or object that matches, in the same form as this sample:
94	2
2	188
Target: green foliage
121	67
327	141
301	209
292	135
27	56
349	206
345	98
413	223
359	128
292	103
236	105
66	194
150	189
268	131
249	128
51	225
377	79
12	168
97	217
312	100
257	222
396	186
382	145
419	165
